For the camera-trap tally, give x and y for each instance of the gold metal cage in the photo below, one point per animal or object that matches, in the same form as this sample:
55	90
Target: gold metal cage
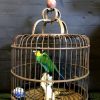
69	52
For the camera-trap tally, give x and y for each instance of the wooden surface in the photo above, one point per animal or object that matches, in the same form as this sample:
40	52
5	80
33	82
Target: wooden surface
38	94
18	16
92	96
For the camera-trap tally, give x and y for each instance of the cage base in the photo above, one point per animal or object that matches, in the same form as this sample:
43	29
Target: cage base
38	94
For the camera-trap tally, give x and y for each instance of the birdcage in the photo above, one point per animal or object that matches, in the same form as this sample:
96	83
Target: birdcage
67	56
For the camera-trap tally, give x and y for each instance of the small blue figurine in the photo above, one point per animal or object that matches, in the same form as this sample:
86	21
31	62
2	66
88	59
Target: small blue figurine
19	92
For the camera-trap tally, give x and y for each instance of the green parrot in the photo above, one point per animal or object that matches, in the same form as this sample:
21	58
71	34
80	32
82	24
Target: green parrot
46	62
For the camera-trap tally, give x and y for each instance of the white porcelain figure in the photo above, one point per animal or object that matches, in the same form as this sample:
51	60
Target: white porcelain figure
47	87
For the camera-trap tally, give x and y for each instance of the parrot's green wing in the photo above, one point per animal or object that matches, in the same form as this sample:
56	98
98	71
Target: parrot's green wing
50	64
46	61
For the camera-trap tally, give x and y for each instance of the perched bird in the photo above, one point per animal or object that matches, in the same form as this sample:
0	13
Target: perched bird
46	62
51	3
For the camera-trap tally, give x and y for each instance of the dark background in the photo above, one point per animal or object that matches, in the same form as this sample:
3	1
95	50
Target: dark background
18	16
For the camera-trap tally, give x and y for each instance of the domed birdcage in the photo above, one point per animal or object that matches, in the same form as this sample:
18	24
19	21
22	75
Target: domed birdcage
52	66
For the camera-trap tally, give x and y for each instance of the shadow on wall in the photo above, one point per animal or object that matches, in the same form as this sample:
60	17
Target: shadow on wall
5	65
94	80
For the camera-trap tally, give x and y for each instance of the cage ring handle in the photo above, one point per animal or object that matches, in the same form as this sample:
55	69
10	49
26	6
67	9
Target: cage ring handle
47	10
57	16
61	24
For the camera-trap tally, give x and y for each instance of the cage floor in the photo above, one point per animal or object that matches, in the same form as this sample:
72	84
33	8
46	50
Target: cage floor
38	94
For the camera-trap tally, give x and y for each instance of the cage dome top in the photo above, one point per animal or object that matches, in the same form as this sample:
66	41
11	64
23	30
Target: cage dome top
63	39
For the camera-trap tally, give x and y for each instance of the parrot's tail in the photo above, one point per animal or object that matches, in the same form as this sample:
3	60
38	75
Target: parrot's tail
62	77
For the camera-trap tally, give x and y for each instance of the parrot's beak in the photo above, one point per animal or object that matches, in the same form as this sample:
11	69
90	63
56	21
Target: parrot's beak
34	52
